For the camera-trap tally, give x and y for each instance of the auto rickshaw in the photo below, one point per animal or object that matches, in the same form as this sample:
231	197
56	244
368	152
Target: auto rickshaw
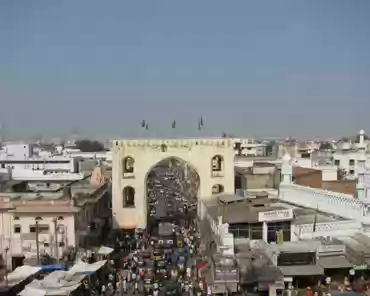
170	288
157	255
167	251
153	241
181	262
168	243
142	271
145	255
148	283
161	270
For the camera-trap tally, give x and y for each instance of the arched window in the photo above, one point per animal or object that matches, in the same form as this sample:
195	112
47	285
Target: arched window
217	163
128	165
217	189
128	197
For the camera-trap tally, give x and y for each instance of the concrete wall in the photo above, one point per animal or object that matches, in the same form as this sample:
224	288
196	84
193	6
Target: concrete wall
343	186
198	153
307	177
261	181
25	241
314	179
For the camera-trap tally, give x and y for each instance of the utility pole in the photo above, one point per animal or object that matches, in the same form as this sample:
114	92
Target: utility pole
37	243
55	221
6	267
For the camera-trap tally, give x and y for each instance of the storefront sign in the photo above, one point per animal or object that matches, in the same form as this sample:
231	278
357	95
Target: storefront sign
275	215
360	267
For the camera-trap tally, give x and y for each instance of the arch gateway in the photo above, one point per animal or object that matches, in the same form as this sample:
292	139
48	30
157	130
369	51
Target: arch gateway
212	159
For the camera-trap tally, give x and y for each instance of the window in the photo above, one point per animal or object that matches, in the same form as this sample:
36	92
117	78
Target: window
61	244
46	245
43	228
217	163
16	218
352	172
337	162
351	162
217	189
128	197
17	229
3	165
128	165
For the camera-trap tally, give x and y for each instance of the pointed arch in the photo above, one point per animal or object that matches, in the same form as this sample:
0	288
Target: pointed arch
217	189
128	197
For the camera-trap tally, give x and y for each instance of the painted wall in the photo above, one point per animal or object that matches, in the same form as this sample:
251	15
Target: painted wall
197	153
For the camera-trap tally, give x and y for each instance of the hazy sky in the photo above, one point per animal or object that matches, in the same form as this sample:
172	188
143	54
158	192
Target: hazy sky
249	67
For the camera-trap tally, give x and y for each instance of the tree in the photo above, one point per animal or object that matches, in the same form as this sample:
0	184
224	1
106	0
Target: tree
325	146
89	146
341	174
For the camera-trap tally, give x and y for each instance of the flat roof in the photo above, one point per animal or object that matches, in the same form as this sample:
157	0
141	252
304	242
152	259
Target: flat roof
245	210
80	189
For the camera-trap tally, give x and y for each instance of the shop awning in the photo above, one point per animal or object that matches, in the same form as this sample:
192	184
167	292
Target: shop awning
334	262
301	270
103	250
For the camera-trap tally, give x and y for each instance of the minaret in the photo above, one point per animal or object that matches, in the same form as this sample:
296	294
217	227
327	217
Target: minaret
286	169
361	160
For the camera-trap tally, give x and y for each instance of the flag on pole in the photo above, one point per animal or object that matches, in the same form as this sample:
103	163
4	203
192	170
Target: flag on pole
199	126
174	124
143	123
147	126
201	121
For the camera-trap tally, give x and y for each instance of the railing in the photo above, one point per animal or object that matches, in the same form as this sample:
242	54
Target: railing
331	229
326	201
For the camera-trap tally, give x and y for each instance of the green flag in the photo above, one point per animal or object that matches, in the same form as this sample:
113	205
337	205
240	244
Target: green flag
174	124
143	123
201	121
146	126
199	126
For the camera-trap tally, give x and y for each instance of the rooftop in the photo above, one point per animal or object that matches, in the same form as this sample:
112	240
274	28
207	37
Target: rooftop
236	209
81	192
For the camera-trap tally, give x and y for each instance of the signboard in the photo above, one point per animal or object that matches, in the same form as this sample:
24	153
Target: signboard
338	249
360	267
279	215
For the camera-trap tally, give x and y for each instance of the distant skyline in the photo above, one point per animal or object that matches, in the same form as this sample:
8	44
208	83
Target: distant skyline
250	68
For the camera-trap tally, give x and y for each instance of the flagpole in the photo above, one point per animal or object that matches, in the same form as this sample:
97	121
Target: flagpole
315	222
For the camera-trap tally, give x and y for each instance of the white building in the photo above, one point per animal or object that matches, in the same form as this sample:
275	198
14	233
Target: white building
317	212
348	155
25	161
61	217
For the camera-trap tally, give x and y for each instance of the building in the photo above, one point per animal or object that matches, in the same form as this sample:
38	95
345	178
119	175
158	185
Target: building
29	161
53	219
211	161
253	148
349	154
301	236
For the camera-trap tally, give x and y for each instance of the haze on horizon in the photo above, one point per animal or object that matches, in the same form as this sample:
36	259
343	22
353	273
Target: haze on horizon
263	68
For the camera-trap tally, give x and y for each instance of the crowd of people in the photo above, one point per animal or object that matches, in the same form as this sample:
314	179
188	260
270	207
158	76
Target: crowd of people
162	259
158	265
